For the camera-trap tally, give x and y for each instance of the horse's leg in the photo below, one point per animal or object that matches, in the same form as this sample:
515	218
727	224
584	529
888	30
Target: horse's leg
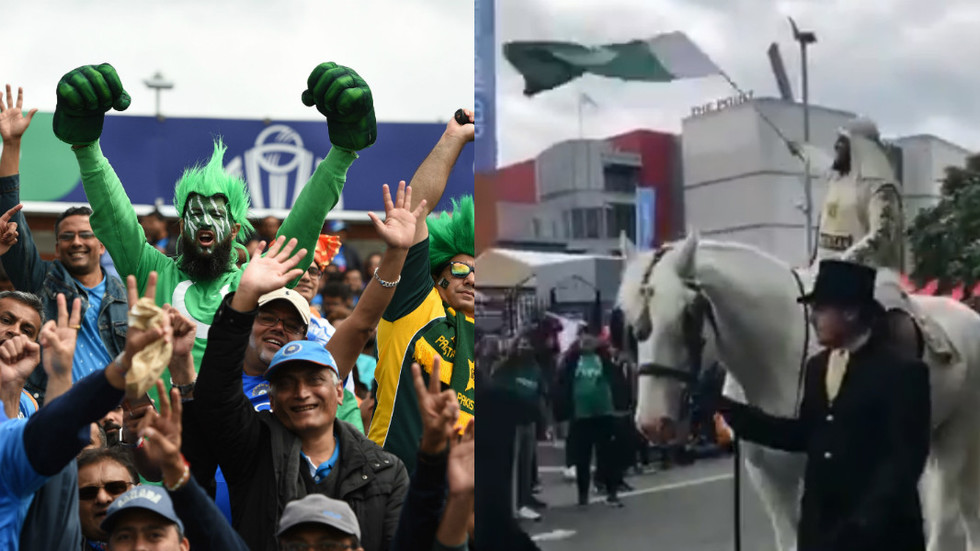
969	487
942	487
777	485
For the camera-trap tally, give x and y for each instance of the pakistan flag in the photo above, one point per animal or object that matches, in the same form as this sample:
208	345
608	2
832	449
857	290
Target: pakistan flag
663	58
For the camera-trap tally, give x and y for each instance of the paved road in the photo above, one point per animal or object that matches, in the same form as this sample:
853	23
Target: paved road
685	508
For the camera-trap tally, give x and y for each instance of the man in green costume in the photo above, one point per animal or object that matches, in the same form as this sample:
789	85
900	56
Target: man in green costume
213	205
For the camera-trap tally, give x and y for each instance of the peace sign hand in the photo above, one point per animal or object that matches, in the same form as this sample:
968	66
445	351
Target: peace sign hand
58	339
398	229
439	410
8	229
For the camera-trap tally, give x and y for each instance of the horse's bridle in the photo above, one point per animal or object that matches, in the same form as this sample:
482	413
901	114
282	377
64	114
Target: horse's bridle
692	332
692	329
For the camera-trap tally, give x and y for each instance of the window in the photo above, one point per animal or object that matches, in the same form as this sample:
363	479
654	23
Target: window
621	216
537	227
578	223
621	179
592	223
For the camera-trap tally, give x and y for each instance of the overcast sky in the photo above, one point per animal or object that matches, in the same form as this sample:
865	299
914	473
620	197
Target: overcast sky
247	58
905	63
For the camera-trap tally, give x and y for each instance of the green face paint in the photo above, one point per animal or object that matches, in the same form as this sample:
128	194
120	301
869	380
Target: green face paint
210	214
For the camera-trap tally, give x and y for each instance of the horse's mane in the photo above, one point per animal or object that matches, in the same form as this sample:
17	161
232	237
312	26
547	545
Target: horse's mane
628	298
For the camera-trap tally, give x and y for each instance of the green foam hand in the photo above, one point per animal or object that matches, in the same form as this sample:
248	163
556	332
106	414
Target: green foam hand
341	95
84	96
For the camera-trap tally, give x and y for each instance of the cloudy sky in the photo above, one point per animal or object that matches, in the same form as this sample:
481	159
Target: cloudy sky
905	63
247	58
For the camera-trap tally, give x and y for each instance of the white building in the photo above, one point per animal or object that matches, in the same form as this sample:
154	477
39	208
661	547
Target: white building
741	183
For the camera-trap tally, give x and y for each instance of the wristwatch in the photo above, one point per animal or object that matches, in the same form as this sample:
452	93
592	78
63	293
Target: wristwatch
184	390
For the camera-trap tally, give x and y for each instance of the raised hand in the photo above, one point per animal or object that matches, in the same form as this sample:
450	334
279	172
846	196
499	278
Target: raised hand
184	331
438	408
462	463
58	338
13	123
272	271
8	229
161	435
18	357
84	95
466	132
137	339
398	228
341	95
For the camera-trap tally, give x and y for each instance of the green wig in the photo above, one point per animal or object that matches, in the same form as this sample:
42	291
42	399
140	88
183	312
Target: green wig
211	179
450	235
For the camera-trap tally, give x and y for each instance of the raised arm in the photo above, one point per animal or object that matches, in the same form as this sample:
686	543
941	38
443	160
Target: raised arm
20	258
429	181
345	99
206	527
222	407
397	231
84	95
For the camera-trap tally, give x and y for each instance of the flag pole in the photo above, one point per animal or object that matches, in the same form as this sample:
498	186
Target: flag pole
794	150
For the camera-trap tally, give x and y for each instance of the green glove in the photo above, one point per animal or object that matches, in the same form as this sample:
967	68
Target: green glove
84	96
345	99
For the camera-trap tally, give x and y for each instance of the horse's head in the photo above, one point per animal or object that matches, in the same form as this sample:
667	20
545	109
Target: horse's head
662	300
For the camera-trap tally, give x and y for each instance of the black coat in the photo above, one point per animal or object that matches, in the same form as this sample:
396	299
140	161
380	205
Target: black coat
260	457
865	452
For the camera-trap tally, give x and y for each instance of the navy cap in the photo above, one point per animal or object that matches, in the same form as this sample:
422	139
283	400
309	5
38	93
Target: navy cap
149	498
301	352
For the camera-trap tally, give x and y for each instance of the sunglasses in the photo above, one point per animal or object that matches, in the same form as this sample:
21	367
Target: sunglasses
114	489
460	269
69	236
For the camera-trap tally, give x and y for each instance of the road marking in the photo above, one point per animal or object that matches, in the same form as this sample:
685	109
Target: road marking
554	535
665	487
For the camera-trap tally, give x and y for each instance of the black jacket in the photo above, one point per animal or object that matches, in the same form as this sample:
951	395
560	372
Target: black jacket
865	452
260	458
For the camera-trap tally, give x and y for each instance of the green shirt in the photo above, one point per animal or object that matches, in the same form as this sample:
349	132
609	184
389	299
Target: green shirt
592	393
116	225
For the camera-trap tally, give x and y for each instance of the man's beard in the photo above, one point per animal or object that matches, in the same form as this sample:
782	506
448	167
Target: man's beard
204	267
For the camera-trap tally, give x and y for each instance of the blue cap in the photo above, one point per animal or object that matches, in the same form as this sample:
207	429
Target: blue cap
337	225
304	352
149	498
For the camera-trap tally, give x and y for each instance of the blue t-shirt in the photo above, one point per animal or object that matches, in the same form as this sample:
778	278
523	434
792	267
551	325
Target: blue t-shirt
90	352
18	481
365	369
28	405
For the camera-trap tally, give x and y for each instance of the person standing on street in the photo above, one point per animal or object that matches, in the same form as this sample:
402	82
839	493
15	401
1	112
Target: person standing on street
864	423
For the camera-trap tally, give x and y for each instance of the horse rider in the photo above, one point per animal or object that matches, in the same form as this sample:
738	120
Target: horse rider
861	221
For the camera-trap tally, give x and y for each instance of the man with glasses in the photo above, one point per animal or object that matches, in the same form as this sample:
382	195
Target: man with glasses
431	313
103	475
76	273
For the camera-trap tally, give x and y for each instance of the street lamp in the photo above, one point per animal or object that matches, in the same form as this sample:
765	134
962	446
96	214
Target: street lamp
158	83
805	38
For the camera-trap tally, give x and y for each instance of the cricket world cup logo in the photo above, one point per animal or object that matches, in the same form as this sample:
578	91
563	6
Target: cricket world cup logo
277	158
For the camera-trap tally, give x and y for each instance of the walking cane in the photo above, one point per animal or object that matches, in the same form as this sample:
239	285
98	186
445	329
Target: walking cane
738	494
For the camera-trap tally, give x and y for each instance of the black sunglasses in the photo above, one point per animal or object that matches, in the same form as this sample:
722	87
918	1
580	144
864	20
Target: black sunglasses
114	489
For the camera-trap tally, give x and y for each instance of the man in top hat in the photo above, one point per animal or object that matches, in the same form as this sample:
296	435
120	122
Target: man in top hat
864	423
317	520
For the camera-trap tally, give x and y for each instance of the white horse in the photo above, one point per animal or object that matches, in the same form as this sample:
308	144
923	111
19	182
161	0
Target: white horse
762	334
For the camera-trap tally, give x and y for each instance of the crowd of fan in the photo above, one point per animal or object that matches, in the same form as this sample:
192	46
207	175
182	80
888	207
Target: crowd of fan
256	436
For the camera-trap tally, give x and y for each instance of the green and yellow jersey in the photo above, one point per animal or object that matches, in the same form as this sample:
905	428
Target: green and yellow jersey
415	328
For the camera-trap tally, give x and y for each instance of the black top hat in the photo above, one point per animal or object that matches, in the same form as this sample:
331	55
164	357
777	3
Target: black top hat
841	283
